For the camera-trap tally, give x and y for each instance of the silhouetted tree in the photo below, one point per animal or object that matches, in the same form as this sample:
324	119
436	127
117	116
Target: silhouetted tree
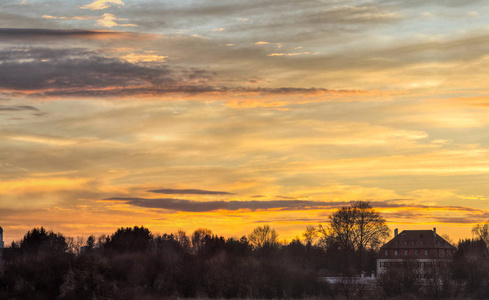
481	231
471	266
37	267
263	236
128	239
183	239
311	235
401	279
198	238
40	241
238	248
356	228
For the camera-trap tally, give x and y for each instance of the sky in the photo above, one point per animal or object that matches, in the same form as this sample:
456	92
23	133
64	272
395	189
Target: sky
228	115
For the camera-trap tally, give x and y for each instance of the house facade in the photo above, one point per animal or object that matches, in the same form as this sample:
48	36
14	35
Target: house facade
422	248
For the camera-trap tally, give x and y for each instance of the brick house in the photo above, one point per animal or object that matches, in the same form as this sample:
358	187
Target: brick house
422	247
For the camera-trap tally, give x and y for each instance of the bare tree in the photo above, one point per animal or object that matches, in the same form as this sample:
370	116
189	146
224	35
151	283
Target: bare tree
311	234
356	228
263	236
198	238
183	239
482	232
447	238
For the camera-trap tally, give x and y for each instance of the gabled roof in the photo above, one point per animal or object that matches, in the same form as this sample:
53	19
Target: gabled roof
417	239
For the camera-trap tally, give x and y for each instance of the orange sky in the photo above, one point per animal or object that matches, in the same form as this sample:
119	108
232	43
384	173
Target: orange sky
188	114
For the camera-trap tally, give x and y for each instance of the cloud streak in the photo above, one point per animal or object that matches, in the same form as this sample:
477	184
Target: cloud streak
18	108
200	206
33	34
394	207
188	192
102	4
50	71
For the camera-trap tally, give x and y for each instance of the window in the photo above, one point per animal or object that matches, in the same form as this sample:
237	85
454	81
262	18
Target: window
416	252
386	252
395	252
406	252
397	242
422	242
426	252
405	243
413	242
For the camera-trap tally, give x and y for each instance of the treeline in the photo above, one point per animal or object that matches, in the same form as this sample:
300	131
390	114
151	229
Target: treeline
133	263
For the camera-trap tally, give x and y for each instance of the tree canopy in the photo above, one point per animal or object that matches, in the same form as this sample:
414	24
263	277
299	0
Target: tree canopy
263	236
356	228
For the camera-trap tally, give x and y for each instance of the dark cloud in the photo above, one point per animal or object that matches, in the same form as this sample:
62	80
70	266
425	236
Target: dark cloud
286	197
81	71
43	34
173	204
188	192
412	211
18	108
197	206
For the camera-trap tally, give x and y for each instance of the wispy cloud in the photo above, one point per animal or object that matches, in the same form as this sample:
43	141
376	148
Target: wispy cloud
188	192
109	20
102	4
28	34
396	209
18	108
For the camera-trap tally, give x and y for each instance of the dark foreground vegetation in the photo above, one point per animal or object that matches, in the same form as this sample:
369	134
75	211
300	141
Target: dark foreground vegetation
133	263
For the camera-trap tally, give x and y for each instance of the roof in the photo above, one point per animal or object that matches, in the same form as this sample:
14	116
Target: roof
417	239
1	229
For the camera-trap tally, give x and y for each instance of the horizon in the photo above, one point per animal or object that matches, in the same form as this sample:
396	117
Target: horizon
229	115
283	240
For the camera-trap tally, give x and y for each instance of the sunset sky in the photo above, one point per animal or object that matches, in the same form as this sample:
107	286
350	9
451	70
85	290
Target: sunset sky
180	114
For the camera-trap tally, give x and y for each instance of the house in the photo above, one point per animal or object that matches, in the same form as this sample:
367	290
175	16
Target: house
424	248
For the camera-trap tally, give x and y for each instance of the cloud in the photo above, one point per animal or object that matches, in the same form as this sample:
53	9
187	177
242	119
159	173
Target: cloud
109	20
188	192
17	108
172	204
279	45
82	18
7	34
291	54
80	72
393	209
45	71
253	205
101	4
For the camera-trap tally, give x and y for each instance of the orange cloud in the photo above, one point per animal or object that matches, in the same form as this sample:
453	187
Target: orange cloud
109	20
37	185
101	4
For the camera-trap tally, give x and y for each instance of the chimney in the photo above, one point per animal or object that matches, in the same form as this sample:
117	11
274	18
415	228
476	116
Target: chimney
396	231
434	231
